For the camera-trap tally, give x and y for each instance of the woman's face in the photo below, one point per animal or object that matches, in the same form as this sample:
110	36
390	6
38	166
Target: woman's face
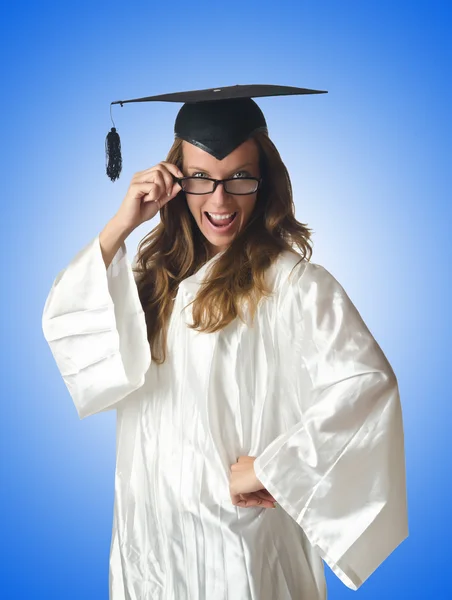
242	162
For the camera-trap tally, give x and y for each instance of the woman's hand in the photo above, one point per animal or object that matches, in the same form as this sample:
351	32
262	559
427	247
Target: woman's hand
245	488
148	192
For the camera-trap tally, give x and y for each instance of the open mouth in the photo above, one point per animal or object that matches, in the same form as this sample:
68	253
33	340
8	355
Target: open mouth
224	223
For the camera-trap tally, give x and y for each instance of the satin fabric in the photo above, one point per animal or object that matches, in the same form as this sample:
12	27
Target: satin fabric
306	389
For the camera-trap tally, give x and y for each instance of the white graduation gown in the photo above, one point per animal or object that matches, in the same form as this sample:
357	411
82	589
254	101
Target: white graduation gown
306	390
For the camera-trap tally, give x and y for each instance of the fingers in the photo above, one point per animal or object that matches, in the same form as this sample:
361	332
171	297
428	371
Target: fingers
163	186
148	192
162	173
251	499
174	169
265	495
154	191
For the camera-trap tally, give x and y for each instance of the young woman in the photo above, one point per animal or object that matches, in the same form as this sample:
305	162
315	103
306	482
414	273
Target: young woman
242	374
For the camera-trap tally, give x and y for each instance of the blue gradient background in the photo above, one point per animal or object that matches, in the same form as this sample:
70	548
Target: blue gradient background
370	163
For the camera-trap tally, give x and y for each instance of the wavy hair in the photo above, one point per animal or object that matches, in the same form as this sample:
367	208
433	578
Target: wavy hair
175	249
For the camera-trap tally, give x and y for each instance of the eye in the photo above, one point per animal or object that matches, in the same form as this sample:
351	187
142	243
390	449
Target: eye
245	174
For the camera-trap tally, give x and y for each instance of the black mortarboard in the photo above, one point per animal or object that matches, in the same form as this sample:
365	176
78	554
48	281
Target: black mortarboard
216	120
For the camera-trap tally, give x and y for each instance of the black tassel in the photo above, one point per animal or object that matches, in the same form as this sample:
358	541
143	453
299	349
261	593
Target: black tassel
113	154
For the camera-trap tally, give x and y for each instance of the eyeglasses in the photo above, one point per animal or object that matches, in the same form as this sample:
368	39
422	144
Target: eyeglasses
206	185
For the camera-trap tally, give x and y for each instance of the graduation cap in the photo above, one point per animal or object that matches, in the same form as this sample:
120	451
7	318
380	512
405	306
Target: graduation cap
217	120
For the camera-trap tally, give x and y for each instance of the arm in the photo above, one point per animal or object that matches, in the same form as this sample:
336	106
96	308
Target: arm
340	472
111	239
95	326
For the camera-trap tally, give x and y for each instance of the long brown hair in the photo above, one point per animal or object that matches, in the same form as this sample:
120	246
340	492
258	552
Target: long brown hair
175	249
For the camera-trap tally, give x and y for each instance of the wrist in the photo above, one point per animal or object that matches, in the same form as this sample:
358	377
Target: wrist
117	228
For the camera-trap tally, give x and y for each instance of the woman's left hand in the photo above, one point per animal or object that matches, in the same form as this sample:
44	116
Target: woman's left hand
245	488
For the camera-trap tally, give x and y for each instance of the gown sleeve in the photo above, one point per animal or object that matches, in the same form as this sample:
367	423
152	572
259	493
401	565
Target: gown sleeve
95	326
339	471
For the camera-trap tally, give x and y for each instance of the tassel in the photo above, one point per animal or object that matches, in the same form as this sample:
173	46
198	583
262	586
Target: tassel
113	154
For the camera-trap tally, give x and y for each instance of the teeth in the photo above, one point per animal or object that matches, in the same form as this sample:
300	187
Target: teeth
220	217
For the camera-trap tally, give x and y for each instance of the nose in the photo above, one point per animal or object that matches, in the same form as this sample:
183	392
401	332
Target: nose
220	190
220	195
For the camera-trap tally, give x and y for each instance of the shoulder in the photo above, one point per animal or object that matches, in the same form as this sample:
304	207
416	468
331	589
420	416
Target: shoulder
295	273
309	291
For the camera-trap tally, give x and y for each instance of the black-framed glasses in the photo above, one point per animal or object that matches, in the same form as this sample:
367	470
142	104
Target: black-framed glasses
206	185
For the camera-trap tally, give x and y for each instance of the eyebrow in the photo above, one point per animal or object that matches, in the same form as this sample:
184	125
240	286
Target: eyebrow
248	164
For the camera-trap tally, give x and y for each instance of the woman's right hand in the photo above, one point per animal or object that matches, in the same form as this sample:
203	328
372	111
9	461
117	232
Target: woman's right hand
148	192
